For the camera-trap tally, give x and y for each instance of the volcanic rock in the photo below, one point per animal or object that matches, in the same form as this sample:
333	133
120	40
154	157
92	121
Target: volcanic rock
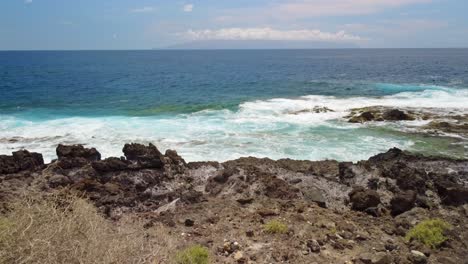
363	199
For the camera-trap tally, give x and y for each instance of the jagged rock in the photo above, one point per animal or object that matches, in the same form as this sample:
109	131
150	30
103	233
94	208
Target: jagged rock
135	151
403	202
313	246
175	158
109	165
346	173
407	178
316	196
450	192
77	151
143	157
391	154
396	115
19	161
363	199
363	117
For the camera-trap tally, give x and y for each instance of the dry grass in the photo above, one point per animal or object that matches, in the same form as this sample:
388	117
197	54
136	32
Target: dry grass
64	228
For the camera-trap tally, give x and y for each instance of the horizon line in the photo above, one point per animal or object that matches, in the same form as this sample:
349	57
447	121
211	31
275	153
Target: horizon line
218	49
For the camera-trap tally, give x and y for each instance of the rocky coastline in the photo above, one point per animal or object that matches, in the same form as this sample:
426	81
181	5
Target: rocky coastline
335	212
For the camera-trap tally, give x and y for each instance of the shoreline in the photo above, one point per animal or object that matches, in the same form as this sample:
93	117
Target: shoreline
335	212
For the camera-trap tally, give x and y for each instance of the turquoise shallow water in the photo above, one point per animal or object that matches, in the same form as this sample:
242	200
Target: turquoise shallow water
219	105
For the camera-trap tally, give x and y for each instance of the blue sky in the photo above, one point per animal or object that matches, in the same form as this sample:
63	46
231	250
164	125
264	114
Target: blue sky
145	24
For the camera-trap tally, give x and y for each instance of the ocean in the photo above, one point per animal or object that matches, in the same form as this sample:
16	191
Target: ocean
224	104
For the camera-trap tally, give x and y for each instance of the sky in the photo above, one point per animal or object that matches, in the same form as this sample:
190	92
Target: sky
146	24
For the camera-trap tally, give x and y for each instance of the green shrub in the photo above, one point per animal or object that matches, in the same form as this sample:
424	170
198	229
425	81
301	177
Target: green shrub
193	255
275	227
429	232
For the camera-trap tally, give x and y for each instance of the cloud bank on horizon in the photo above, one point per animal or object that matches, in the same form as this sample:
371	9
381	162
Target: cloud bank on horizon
28	24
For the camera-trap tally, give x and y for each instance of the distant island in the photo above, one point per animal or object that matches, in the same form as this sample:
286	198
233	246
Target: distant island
260	44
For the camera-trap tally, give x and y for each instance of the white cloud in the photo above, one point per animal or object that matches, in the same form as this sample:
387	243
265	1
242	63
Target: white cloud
188	8
305	8
146	9
28	1
268	33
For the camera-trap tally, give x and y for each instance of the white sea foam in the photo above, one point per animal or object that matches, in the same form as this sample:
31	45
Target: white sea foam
275	128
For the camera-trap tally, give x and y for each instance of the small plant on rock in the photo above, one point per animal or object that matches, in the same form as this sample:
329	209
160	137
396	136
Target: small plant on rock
193	255
429	232
275	227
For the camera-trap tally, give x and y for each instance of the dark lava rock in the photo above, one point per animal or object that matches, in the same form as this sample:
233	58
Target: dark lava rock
109	165
175	158
77	151
396	115
407	178
189	222
363	199
145	157
391	154
136	151
20	161
245	201
403	202
450	192
346	172
363	117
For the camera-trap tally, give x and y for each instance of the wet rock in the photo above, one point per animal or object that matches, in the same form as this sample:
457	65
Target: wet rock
363	117
363	199
396	115
403	202
77	151
20	161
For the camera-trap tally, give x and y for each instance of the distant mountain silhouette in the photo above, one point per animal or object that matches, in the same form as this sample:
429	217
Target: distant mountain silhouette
261	44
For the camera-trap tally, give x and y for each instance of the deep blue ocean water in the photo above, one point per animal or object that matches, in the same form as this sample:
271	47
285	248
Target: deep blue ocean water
226	103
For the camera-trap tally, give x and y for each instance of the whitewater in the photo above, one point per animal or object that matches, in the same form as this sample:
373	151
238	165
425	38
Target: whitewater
274	128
